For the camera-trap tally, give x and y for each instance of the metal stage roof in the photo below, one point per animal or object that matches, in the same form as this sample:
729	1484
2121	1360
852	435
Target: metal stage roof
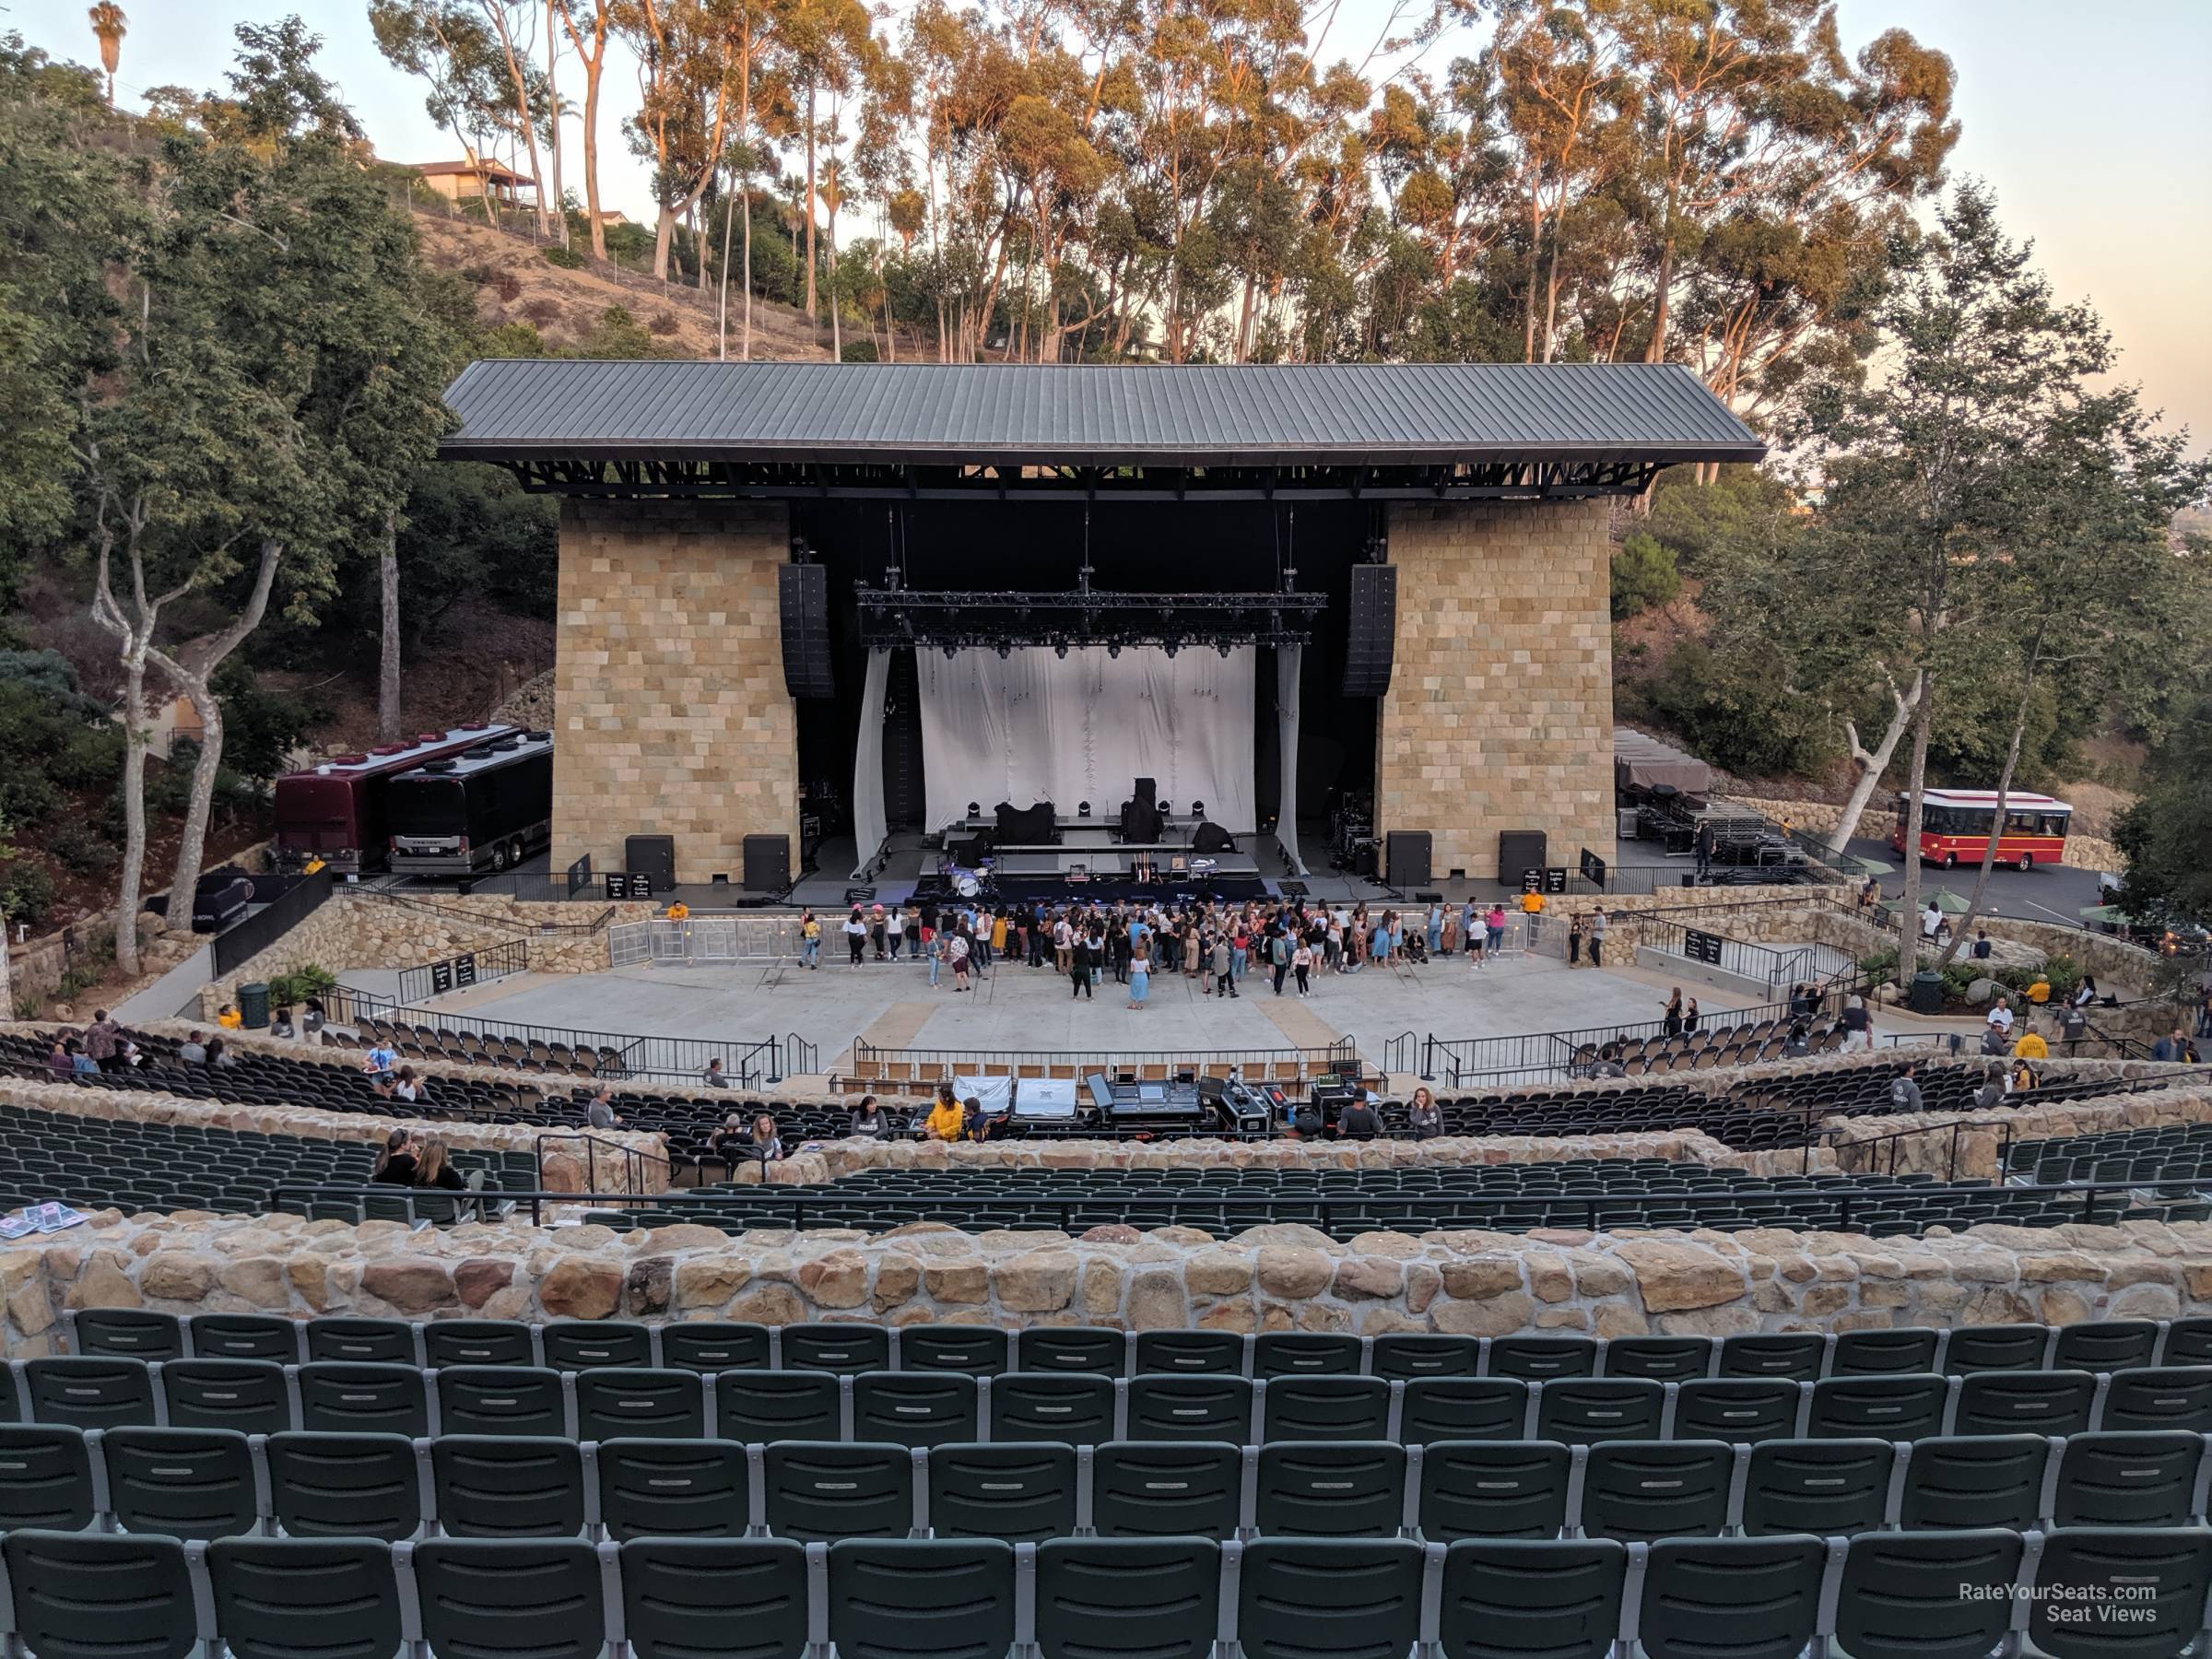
931	429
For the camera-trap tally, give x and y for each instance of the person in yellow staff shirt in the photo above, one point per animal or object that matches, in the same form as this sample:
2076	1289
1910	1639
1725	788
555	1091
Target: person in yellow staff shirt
230	1020
679	912
947	1120
2030	1046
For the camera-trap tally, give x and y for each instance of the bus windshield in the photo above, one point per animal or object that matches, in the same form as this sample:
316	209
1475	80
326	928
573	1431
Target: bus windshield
428	806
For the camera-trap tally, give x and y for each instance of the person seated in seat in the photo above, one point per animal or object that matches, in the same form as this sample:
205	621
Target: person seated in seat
714	1076
281	1026
946	1121
765	1145
219	1054
867	1120
380	1059
1992	1090
730	1144
432	1170
1423	1115
599	1111
395	1165
2085	992
1799	1043
404	1086
1982	947
79	1061
58	1058
193	1051
2023	1077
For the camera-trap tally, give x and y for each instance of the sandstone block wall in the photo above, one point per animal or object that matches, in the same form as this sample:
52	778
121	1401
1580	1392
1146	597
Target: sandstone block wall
670	682
1499	715
1267	1279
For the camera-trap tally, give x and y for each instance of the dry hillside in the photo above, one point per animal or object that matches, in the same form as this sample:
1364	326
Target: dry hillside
516	284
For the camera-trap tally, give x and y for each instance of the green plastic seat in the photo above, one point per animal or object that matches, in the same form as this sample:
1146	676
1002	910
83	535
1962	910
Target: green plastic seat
45	1478
1640	1491
510	1598
844	1350
915	1408
1154	1489
2127	1479
770	1406
2052	1402
1208	1405
1895	1408
582	1345
1349	1598
1973	1482
1493	1490
1462	1408
1752	1598
921	1598
712	1345
91	1392
1584	1412
975	1349
1324	1407
1927	1595
478	1342
1330	1489
501	1399
1080	1350
278	1598
643	1404
1832	1488
821	1491
344	1486
1022	1494
1184	1352
673	1489
1128	1598
184	1482
245	1395
244	1337
1075	1408
341	1397
100	1595
732	1599
2157	1576
507	1485
2160	1397
1305	1354
1508	1598
361	1341
1406	1356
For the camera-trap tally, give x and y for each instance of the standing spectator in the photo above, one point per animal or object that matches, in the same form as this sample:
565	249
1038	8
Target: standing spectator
1279	957
1436	926
193	1051
378	1062
957	950
1222	959
1704	846
1493	927
2072	1026
880	933
856	936
714	1076
2203	1006
1452	932
1574	940
1532	914
810	939
894	922
1424	1114
1064	944
1690	1018
1858	1026
2174	1046
103	1037
2029	1045
1082	953
1140	975
2000	1018
1599	922
1302	966
933	946
1931	922
1670	1022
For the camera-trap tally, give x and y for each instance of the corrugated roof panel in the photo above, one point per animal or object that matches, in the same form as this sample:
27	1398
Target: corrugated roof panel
1091	414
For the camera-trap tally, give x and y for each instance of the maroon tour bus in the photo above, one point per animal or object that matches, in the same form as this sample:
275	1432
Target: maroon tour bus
334	811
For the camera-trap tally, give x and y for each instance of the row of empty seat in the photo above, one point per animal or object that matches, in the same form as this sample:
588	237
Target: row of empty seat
1883	1596
204	1484
847	1348
923	1407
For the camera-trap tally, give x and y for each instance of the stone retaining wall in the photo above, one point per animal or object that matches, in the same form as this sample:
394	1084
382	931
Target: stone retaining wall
1862	1144
1267	1279
564	1165
360	930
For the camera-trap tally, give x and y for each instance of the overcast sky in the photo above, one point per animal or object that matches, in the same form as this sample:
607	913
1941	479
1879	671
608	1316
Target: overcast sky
2090	122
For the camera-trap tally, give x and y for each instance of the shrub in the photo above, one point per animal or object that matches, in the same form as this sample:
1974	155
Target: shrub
1643	576
568	259
26	894
81	847
859	351
665	322
289	990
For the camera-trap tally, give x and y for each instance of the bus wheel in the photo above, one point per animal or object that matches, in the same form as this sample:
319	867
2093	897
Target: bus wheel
2026	862
1950	860
499	856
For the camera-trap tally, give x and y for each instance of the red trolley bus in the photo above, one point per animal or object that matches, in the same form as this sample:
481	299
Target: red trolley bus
1955	826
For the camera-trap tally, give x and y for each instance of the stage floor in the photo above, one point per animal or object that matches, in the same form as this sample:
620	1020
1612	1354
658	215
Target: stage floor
1018	1007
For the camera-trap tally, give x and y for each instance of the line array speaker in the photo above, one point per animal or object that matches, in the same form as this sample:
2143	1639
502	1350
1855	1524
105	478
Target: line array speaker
802	595
1374	632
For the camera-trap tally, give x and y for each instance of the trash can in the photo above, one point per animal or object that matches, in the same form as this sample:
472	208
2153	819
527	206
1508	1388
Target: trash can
253	1006
1927	992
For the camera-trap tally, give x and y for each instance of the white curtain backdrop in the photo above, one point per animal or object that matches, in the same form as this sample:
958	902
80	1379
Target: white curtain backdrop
1289	662
869	825
1037	726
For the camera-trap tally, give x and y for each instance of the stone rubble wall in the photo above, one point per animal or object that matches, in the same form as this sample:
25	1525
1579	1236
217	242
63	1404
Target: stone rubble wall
1860	1144
1275	1278
564	1164
358	930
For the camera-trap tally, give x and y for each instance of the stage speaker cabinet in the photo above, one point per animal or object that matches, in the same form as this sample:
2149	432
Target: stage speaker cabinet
1406	854
767	864
652	856
1374	632
1520	849
802	593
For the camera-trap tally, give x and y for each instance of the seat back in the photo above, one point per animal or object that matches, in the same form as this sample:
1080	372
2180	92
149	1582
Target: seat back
582	1345
1830	1489
1754	1598
510	1598
1741	1410
1322	1407
914	1408
1493	1490
343	1397
501	1399
244	1337
659	1405
186	1483
361	1341
821	1492
478	1342
673	1489
95	1392
1128	1598
278	1598
1581	1412
2052	1402
1927	1595
245	1395
45	1478
1406	1356
1883	1353
1208	1406
344	1486
737	1598
1331	1489
1639	1491
1505	1598
2158	1576
1668	1359
1305	1354
844	1350
507	1485
712	1345
2163	1397
769	1405
1076	1409
1895	1408
1974	1482
1794	1357
1148	1490
975	1349
1078	1349
126	1334
1542	1359
2143	1479
1022	1494
100	1595
913	1599
1457	1408
1181	1352
1355	1598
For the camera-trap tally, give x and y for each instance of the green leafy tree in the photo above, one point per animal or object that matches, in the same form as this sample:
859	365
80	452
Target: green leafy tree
1643	576
2165	832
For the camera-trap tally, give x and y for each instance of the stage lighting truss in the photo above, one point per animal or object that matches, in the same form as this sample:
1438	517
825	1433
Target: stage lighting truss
998	620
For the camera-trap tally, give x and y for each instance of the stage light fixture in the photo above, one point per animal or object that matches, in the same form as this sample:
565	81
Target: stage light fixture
1082	809
1173	646
1197	809
1005	650
1060	648
1115	649
975	810
1222	647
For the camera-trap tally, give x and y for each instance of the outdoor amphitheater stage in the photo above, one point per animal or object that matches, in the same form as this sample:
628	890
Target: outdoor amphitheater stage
891	1006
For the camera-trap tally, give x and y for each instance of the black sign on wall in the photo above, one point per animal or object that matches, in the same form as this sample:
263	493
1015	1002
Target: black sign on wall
464	971
1593	869
1555	878
1701	947
442	978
